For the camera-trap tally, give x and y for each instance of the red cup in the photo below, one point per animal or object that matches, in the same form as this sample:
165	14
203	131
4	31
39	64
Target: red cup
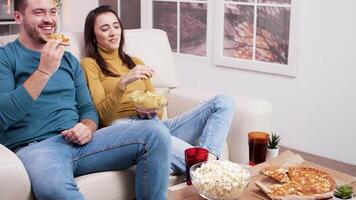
192	156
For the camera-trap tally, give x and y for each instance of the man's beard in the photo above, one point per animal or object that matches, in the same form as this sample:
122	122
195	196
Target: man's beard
34	34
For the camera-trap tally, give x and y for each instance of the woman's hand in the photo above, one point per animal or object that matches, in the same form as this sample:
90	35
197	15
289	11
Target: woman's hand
149	114
138	72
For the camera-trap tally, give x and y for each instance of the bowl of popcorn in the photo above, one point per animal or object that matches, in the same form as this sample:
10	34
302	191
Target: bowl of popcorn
149	100
220	180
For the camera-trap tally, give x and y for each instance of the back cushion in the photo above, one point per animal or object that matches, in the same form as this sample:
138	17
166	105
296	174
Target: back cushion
149	45
152	47
76	44
6	39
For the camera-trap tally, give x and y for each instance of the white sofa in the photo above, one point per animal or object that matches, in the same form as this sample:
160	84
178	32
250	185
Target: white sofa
153	48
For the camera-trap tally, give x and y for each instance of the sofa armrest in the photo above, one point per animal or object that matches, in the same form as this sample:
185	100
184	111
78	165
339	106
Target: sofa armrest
250	114
15	183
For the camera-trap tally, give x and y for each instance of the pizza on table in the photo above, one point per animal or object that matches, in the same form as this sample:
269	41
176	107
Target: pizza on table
297	183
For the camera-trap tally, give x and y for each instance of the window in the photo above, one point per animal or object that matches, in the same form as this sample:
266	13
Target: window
185	22
7	24
128	10
256	35
6	10
8	28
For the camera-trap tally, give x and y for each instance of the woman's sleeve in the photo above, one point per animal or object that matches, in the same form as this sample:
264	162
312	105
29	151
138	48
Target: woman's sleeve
106	104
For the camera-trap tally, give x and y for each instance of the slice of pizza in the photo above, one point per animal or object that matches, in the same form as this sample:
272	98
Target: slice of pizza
277	173
63	38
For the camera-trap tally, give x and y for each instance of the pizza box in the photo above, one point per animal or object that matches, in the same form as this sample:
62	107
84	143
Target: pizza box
285	159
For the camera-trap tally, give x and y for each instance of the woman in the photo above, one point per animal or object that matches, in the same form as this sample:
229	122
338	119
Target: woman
112	75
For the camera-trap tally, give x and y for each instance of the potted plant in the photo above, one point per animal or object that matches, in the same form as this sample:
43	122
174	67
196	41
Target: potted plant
273	149
343	192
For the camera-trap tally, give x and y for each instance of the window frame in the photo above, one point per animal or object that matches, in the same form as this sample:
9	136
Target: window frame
253	65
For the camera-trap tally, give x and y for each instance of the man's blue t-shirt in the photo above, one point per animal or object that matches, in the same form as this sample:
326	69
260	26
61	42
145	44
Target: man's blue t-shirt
64	101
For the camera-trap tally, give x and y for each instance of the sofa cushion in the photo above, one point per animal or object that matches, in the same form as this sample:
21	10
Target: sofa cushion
108	185
76	44
6	39
150	45
113	184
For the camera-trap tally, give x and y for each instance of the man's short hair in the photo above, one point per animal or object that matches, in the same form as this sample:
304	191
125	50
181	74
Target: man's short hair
20	5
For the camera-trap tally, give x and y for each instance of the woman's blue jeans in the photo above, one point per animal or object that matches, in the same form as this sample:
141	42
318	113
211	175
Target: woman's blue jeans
206	125
53	163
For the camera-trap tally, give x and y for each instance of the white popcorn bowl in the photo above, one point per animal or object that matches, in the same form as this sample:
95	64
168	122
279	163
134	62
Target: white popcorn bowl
216	186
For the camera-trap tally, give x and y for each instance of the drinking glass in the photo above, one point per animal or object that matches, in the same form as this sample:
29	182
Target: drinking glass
194	155
257	145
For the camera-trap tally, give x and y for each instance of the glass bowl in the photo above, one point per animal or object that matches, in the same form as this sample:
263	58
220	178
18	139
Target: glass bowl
149	101
220	180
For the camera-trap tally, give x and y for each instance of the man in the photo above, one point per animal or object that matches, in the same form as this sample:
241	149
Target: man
48	119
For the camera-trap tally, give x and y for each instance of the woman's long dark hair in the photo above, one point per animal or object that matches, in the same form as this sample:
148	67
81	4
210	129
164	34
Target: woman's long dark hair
91	49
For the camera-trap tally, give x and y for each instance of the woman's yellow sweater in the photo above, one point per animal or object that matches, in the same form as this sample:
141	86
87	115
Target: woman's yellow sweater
111	102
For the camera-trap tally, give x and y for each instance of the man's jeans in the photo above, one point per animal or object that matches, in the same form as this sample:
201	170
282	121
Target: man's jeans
53	163
206	125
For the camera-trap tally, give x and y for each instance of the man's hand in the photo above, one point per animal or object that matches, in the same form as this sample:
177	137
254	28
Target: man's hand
51	57
138	72
79	134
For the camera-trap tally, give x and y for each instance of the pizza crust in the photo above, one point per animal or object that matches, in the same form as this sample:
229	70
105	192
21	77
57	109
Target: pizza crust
263	187
268	192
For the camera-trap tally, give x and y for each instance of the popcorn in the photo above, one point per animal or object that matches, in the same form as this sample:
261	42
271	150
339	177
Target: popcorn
223	180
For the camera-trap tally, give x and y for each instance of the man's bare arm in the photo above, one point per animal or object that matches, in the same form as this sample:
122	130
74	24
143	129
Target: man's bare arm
35	84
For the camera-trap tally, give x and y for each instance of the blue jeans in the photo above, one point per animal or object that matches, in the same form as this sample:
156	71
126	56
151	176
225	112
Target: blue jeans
53	163
206	125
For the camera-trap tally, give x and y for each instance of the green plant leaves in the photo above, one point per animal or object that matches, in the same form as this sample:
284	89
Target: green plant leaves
343	191
273	141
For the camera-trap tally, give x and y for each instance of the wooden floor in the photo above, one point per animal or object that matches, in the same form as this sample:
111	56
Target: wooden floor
340	166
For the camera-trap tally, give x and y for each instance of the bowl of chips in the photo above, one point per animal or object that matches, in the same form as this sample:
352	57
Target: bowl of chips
149	100
220	179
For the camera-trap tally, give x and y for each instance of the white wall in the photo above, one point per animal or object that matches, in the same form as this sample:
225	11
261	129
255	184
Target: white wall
316	111
74	13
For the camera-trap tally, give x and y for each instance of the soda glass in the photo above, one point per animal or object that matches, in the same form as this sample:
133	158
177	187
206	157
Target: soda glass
257	146
192	156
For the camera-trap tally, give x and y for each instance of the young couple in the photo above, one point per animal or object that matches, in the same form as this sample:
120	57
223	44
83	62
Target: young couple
48	118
